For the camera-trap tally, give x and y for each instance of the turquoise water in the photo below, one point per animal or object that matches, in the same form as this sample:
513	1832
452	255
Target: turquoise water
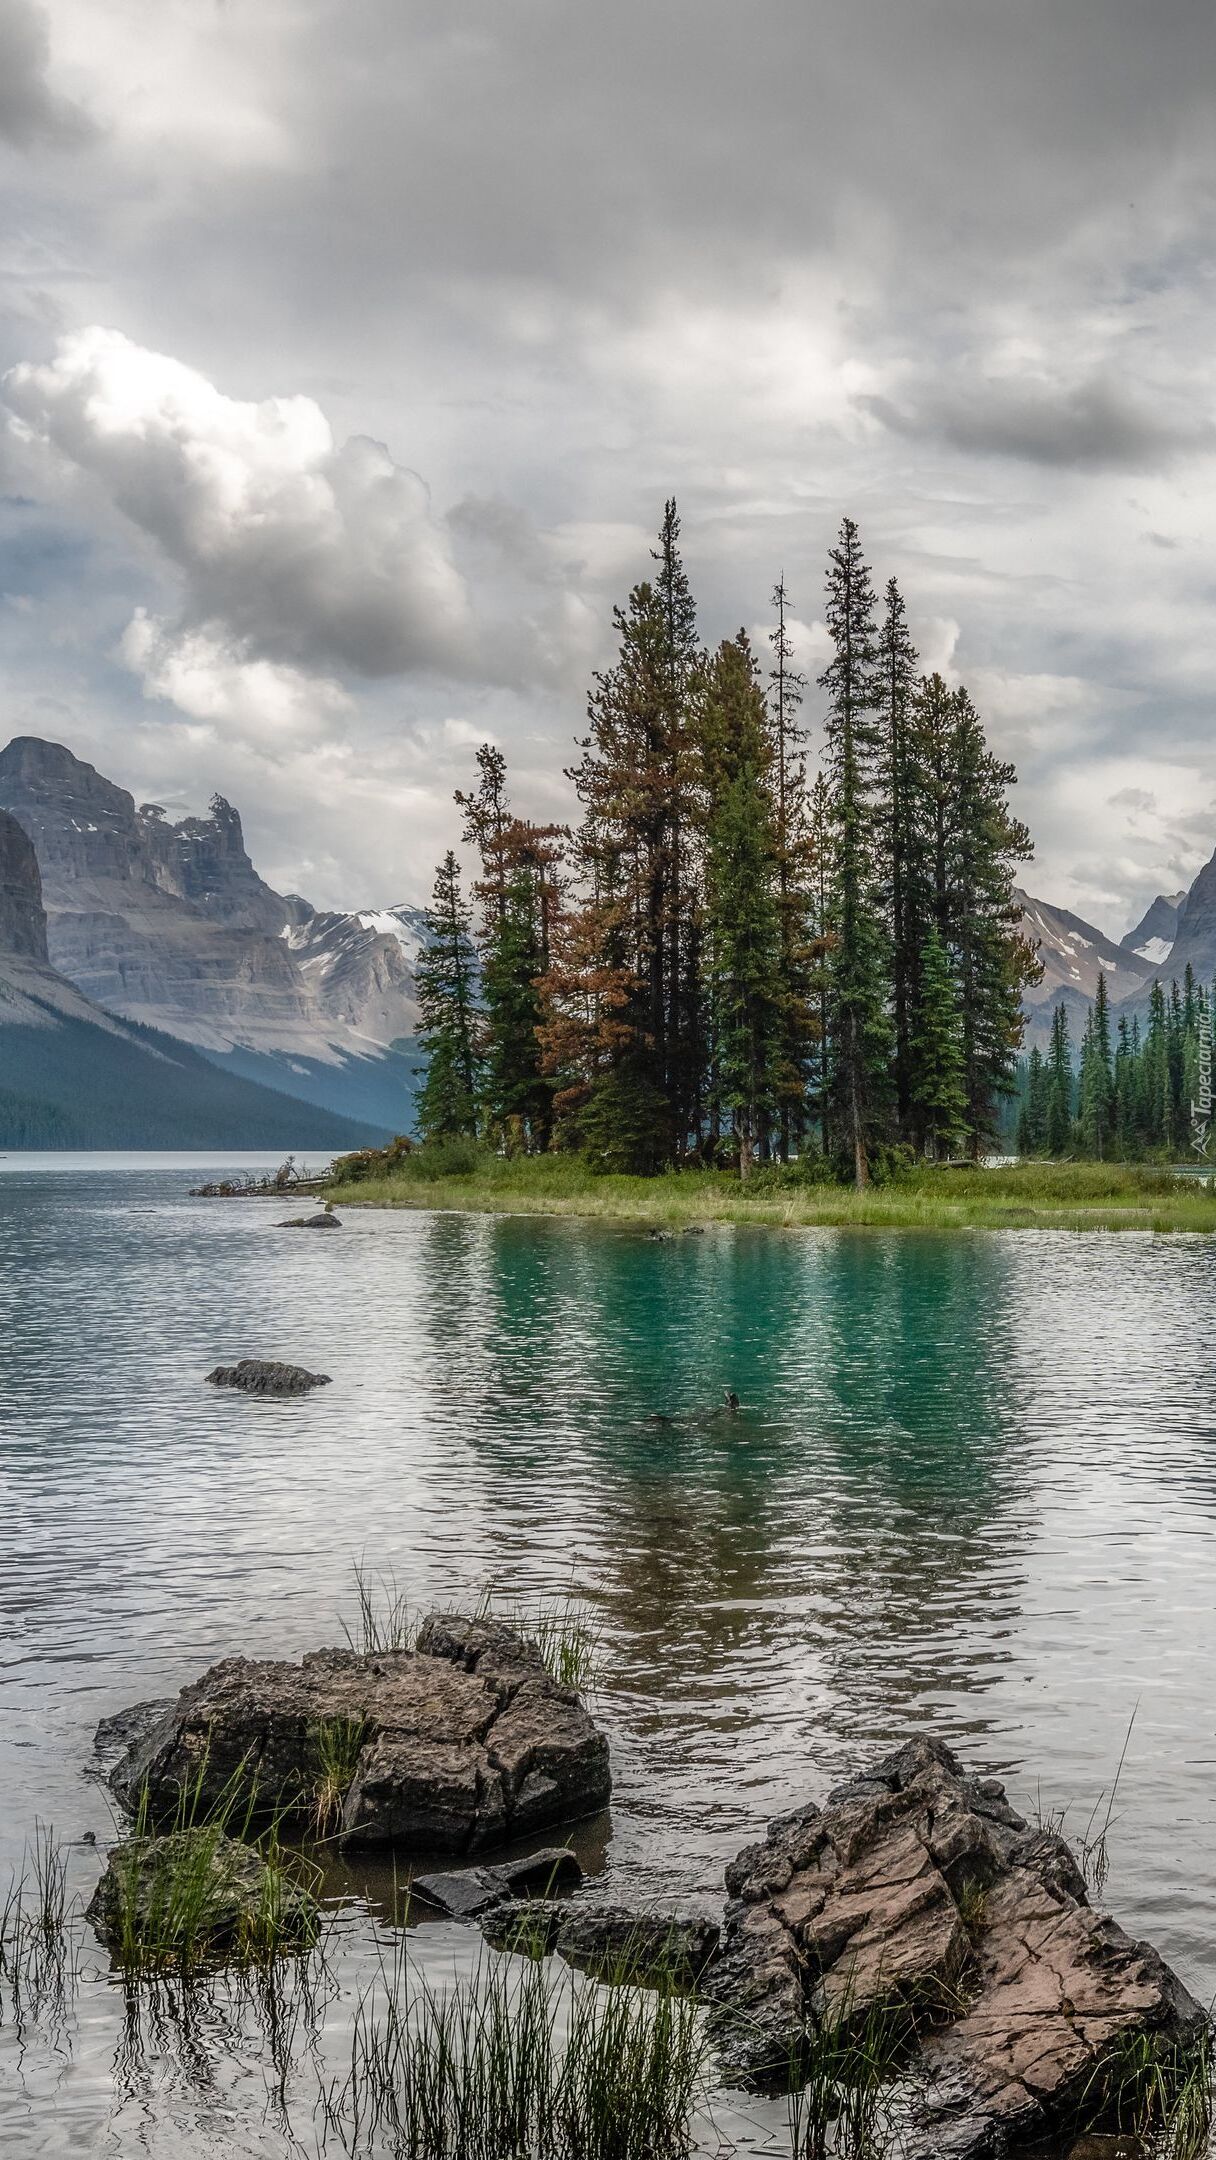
972	1489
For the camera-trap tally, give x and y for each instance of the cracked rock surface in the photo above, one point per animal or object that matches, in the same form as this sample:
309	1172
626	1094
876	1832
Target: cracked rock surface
916	1884
463	1743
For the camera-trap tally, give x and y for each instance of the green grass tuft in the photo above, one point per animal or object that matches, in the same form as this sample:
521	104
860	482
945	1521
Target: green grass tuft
519	2061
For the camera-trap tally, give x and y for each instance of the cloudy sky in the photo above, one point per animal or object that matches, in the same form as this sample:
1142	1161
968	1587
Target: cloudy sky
350	347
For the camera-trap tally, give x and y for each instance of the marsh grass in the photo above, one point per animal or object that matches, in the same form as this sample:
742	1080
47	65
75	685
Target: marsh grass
39	1950
1092	1845
842	2101
563	1628
518	2060
1158	2092
385	1620
1024	1195
972	1903
338	1742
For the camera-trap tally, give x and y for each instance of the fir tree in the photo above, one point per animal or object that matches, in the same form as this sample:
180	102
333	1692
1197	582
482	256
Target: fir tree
676	753
860	1031
486	821
744	944
1032	1117
743	919
1155	1082
446	973
518	891
1059	1085
1126	1133
821	945
897	670
1095	1096
937	1063
795	854
612	975
516	1093
995	963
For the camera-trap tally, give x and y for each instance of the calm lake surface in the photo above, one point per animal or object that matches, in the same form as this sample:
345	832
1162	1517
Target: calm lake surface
972	1491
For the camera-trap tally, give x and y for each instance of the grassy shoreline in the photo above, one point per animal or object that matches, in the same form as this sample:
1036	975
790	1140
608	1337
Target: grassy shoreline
1024	1196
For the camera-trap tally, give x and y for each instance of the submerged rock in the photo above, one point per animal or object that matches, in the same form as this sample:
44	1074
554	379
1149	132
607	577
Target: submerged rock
262	1376
470	1892
920	1887
609	1941
192	1893
463	1743
310	1222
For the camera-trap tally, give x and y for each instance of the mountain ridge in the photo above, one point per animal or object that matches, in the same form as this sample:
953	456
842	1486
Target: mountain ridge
169	925
75	1076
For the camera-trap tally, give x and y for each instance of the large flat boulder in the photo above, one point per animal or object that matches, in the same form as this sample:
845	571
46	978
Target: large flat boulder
460	1744
919	1890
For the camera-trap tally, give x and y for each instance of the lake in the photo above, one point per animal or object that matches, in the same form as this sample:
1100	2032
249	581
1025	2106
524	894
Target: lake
971	1490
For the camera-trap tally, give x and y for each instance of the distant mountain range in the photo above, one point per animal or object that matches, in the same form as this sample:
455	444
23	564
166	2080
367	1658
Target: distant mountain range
169	926
155	991
75	1076
1177	928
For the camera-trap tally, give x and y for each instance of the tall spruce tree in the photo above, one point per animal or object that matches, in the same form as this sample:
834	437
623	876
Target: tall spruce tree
517	894
1032	1118
906	921
1096	1087
994	961
795	853
487	818
744	947
1059	1084
676	752
936	1054
615	947
820	950
743	926
859	992
446	976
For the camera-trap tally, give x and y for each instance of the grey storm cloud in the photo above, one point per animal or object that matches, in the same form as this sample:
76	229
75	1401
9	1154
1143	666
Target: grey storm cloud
415	314
30	112
1091	426
309	550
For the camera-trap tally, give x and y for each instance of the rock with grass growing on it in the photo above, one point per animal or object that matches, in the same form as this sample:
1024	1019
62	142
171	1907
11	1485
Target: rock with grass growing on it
918	1921
197	1894
264	1376
461	1744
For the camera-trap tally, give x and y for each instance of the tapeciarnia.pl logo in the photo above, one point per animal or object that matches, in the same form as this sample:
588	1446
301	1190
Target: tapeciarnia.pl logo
1201	1102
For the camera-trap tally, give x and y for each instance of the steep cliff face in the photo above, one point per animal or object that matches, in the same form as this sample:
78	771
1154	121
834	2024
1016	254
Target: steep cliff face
22	915
89	838
1195	942
169	924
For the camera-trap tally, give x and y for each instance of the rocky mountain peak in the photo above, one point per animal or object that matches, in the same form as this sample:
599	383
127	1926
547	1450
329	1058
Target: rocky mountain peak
89	838
22	916
1157	928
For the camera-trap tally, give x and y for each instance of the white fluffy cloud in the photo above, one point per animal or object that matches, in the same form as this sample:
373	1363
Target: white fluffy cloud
272	707
292	547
